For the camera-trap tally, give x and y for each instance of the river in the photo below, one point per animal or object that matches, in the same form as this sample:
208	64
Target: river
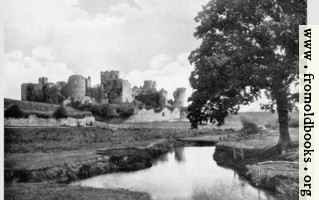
187	173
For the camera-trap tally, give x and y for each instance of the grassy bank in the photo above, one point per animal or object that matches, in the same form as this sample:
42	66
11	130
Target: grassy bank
280	177
30	140
45	191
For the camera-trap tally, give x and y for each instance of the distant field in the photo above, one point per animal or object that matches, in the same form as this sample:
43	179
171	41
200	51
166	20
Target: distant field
260	118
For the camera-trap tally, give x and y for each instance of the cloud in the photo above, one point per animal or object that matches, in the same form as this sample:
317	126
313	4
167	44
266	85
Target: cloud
168	73
124	36
142	39
23	69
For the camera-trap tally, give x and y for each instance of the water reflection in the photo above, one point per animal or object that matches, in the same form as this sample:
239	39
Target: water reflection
175	177
179	154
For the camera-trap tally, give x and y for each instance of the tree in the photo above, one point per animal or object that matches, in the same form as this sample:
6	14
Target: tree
14	111
248	46
60	112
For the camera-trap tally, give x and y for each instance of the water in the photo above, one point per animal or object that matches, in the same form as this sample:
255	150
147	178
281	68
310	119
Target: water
185	174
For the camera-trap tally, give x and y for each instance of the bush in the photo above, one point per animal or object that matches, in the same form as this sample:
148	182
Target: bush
249	128
60	112
43	115
104	111
14	111
125	110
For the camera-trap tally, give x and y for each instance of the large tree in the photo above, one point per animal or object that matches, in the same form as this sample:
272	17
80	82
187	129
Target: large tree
247	47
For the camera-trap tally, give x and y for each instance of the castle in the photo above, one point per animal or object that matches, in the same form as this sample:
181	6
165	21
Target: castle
112	89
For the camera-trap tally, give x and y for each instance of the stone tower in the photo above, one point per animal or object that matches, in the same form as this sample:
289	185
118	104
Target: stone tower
76	87
179	97
163	98
42	82
149	85
115	89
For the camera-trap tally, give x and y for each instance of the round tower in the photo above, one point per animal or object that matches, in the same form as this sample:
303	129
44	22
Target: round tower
76	87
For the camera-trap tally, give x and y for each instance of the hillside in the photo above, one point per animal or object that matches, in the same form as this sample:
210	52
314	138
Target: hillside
43	108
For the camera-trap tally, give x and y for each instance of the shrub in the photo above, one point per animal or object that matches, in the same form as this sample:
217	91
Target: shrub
125	110
14	111
249	128
43	115
60	112
104	111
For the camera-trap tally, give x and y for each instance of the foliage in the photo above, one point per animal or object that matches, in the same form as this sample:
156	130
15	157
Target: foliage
249	127
95	93
247	47
104	111
60	112
149	99
14	111
52	95
43	115
46	95
33	95
125	110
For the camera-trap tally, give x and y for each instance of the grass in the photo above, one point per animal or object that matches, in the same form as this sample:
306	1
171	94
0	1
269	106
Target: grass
45	191
28	140
39	160
44	110
33	148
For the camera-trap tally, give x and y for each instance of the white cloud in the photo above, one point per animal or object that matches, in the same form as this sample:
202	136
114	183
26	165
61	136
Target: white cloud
125	37
57	38
20	69
168	75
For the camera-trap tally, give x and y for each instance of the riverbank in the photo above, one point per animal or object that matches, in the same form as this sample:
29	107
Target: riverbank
63	155
280	176
46	191
44	157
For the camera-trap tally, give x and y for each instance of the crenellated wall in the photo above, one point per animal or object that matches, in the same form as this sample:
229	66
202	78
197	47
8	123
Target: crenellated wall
151	115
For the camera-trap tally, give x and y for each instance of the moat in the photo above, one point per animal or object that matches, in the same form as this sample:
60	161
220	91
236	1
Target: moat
187	173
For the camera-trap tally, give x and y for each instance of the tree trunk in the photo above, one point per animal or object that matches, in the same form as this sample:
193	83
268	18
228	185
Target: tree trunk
280	95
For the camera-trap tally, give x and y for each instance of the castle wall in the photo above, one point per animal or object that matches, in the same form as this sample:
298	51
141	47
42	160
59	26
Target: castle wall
145	115
149	85
127	92
24	87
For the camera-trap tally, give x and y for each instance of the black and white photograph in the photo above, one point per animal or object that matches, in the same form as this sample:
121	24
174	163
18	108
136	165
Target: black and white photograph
152	99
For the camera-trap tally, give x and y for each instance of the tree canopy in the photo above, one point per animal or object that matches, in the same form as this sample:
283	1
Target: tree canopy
247	46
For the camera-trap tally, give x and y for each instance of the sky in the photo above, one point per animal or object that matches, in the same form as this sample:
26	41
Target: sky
143	39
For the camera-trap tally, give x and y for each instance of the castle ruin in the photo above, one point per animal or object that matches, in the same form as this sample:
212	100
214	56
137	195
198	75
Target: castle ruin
179	97
115	89
77	87
31	90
